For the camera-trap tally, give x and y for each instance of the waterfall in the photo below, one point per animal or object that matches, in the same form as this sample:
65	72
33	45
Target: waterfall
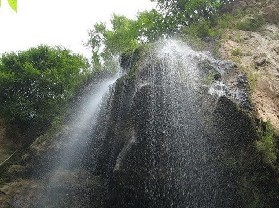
164	136
170	149
181	172
68	176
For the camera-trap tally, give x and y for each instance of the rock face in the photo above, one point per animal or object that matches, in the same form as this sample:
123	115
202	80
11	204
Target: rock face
259	59
269	8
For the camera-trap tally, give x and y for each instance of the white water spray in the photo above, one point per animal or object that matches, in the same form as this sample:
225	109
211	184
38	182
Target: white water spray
67	174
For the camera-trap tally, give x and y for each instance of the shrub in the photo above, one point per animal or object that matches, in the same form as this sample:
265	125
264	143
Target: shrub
203	28
266	145
236	52
35	86
250	23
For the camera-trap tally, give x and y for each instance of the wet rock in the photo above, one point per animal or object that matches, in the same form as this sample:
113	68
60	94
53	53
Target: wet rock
242	129
218	88
17	170
217	77
129	58
242	81
26	158
205	65
2	192
240	92
140	151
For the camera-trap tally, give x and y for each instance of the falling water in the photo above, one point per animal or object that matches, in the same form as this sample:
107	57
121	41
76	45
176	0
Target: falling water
68	177
181	151
171	157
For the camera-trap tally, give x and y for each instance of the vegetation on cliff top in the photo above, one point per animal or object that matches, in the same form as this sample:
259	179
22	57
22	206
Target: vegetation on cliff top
171	19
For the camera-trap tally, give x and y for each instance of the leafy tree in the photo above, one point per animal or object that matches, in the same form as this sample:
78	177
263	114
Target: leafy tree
96	41
106	43
125	35
36	84
188	11
151	25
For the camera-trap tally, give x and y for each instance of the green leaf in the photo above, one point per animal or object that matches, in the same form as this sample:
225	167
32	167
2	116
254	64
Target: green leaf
13	4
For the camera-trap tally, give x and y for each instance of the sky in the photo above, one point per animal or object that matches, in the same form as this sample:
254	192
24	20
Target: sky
59	22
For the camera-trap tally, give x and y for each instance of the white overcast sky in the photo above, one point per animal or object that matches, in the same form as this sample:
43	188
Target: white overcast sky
59	22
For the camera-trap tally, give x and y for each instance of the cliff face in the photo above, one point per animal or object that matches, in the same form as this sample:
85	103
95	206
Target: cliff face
258	56
255	52
268	8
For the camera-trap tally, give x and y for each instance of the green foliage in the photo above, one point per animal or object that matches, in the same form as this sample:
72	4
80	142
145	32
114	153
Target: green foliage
266	145
226	21
208	79
36	84
215	25
125	35
151	26
252	78
201	29
195	18
251	23
188	11
241	20
236	52
106	43
12	3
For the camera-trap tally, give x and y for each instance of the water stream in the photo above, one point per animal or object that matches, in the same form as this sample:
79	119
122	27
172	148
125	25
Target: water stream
68	177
